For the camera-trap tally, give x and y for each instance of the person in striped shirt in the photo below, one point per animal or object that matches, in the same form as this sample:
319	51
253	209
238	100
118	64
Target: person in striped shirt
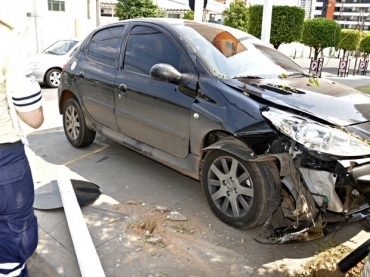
20	97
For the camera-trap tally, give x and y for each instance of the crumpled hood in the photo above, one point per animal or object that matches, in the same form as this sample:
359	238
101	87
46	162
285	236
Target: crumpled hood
335	103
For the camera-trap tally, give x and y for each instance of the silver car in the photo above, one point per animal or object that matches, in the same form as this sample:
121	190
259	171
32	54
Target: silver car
47	65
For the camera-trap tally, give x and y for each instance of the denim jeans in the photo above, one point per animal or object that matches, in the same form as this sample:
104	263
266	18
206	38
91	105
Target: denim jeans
18	224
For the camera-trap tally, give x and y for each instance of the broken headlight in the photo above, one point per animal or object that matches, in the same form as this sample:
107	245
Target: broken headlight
316	136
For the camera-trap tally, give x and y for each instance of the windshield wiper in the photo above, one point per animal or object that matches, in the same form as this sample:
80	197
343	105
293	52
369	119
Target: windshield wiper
246	77
51	52
298	74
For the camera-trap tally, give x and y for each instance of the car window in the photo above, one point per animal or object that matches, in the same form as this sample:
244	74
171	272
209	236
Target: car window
231	53
147	46
104	46
61	47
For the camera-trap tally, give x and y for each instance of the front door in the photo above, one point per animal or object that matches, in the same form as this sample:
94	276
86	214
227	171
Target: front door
153	112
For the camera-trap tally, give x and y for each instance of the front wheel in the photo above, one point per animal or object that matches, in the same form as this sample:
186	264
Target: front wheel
52	78
75	126
242	194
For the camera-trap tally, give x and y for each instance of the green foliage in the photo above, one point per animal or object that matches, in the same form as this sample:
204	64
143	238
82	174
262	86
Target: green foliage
349	39
320	33
189	15
237	15
365	44
137	9
286	23
255	20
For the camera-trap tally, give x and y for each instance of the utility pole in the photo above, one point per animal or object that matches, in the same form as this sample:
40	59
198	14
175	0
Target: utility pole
198	10
266	21
97	13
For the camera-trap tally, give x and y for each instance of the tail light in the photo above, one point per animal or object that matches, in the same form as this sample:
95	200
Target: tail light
64	66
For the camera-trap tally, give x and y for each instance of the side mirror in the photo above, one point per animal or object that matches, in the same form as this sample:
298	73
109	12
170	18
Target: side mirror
167	73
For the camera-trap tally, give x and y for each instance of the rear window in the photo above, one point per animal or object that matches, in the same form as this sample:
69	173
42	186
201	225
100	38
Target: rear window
104	46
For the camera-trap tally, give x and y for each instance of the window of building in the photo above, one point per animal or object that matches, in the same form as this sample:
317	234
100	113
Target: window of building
104	47
58	6
173	15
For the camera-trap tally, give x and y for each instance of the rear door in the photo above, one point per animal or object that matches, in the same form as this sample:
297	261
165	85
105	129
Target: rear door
96	71
153	112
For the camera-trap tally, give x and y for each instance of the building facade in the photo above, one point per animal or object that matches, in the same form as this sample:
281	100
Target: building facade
350	14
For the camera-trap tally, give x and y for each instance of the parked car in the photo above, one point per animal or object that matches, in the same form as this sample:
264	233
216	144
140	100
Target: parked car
269	144
47	65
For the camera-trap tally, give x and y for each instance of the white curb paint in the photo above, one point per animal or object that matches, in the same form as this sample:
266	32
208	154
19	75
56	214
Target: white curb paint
87	257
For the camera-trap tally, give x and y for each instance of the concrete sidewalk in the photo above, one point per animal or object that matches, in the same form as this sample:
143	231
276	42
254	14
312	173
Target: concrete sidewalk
132	186
330	71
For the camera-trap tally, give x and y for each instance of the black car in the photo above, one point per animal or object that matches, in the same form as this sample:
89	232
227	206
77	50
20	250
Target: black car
269	143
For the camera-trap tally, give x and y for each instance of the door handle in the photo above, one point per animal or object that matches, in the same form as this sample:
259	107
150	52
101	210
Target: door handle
81	75
122	88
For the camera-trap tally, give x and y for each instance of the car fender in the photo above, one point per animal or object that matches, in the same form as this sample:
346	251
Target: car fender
233	146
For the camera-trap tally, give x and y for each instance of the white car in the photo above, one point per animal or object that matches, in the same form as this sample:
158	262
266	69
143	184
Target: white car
47	65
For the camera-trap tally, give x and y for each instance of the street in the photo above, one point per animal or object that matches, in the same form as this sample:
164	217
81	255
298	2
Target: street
133	186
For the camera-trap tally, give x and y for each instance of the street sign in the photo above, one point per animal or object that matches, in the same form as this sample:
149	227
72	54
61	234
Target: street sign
362	67
316	67
343	68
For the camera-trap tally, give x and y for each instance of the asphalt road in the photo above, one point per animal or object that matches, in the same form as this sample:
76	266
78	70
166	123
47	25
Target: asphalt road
132	186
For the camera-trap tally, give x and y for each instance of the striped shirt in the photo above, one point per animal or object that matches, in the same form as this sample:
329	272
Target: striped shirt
18	89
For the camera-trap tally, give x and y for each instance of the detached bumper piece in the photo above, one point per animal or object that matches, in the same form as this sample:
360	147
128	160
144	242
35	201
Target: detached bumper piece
310	207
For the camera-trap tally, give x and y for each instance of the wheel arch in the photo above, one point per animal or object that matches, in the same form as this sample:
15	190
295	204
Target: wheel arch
65	95
225	141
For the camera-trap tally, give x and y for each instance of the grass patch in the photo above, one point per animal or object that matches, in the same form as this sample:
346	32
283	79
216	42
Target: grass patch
324	264
365	89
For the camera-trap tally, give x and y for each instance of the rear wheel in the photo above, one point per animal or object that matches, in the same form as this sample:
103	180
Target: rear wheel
52	78
242	194
75	126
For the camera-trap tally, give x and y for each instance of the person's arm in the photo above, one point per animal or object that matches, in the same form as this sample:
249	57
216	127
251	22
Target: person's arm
33	118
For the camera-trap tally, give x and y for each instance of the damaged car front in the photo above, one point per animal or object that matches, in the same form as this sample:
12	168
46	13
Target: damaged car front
317	132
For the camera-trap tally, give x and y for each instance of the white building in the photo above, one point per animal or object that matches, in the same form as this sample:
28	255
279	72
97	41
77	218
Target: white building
45	21
306	5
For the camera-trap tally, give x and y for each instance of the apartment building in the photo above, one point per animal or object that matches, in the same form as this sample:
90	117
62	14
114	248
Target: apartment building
306	5
350	14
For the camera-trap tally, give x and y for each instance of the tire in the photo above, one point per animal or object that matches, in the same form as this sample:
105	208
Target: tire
52	77
74	125
241	194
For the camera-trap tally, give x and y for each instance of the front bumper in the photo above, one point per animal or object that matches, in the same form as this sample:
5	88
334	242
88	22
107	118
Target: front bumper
318	196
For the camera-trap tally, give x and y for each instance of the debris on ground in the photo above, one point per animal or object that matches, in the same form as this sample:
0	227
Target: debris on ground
176	216
161	208
131	202
155	240
148	226
113	220
324	264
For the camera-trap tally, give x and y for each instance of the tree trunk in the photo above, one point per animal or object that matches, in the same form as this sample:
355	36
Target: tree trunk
344	54
316	54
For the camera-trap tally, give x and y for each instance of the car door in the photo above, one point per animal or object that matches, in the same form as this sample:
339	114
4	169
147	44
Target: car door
96	71
155	113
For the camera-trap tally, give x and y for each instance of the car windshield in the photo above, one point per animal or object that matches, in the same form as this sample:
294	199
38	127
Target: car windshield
231	53
61	47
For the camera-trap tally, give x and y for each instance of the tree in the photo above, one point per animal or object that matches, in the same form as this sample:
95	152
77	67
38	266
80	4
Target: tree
255	20
237	15
286	23
349	40
320	33
365	45
189	15
137	9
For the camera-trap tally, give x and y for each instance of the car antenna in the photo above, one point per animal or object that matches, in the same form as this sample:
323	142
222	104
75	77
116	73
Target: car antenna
128	8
